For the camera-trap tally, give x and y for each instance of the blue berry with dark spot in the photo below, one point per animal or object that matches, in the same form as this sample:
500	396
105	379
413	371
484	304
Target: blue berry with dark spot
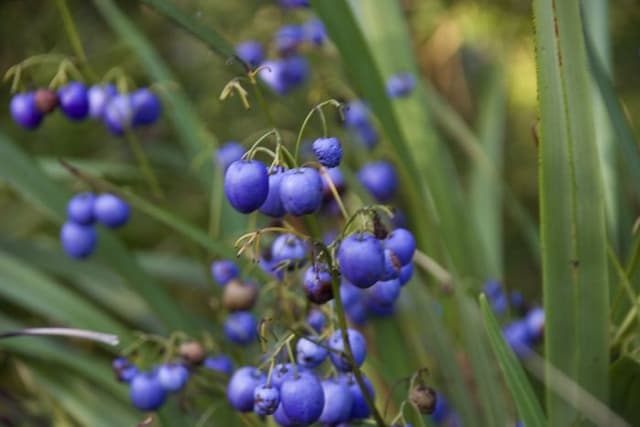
328	151
80	208
361	259
111	211
241	387
290	250
358	348
146	392
78	241
74	101
380	179
309	354
317	284
402	243
392	266
246	185
301	191
266	400
251	52
24	110
240	327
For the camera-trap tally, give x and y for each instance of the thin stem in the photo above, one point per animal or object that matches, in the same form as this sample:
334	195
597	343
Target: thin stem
215	207
108	339
308	119
74	38
143	164
334	193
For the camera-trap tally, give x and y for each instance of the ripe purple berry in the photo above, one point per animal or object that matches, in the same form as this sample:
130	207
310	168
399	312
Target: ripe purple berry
288	38
78	241
246	185
228	153
402	243
240	327
118	114
316	320
358	348
250	52
111	211
80	208
385	292
290	250
400	85
223	271
272	75
124	370
241	386
328	151
314	31
361	259
338	402
272	206
281	373
266	400
295	70
146	107
74	101
301	191
220	363
360	409
405	274
317	284
309	354
146	392
99	96
24	110
302	398
392	266
173	376
380	179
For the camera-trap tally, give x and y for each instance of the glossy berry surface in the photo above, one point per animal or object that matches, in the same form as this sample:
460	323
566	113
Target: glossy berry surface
400	85
281	373
328	151
265	400
223	271
361	259
317	284
272	206
402	243
338	402
228	153
111	211
251	52
80	208
358	348
309	354
24	110
99	96
78	241
146	392
301	191
302	398
118	114
281	418
241	386
405	274
173	376
220	363
289	250
385	292
359	409
246	185
74	101
380	179
240	327
146	107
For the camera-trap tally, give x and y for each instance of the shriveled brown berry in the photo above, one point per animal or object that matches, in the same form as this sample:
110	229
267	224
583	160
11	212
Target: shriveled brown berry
46	100
424	398
192	352
239	296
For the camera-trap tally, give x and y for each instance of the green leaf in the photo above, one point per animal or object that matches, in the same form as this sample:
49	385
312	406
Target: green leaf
625	389
572	211
529	409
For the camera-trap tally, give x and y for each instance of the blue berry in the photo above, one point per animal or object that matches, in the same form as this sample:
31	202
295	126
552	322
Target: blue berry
124	370
380	179
309	354
24	110
240	327
441	411
336	177
400	85
367	135
99	96
392	266
173	376
492	289
385	292
302	398
316	320
293	4
74	101
228	153
146	392
295	70
146	107
251	52
78	241
357	313
349	294
405	274
301	191
281	373
517	336
272	75
118	114
241	386
338	402
317	284
223	271
337	344
517	300
272	206
220	363
288	38
281	418
314	31
356	114
266	400
289	250
80	208
111	211
361	259
360	409
328	151
246	185
377	307
402	243
535	323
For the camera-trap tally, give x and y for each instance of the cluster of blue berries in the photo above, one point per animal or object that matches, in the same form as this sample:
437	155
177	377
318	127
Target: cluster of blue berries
119	111
78	235
527	329
148	390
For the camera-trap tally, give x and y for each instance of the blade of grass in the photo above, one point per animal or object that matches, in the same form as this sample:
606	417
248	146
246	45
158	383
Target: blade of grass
571	210
529	409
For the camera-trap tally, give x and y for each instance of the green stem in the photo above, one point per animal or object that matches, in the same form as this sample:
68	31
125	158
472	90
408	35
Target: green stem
74	38
215	206
143	164
261	102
